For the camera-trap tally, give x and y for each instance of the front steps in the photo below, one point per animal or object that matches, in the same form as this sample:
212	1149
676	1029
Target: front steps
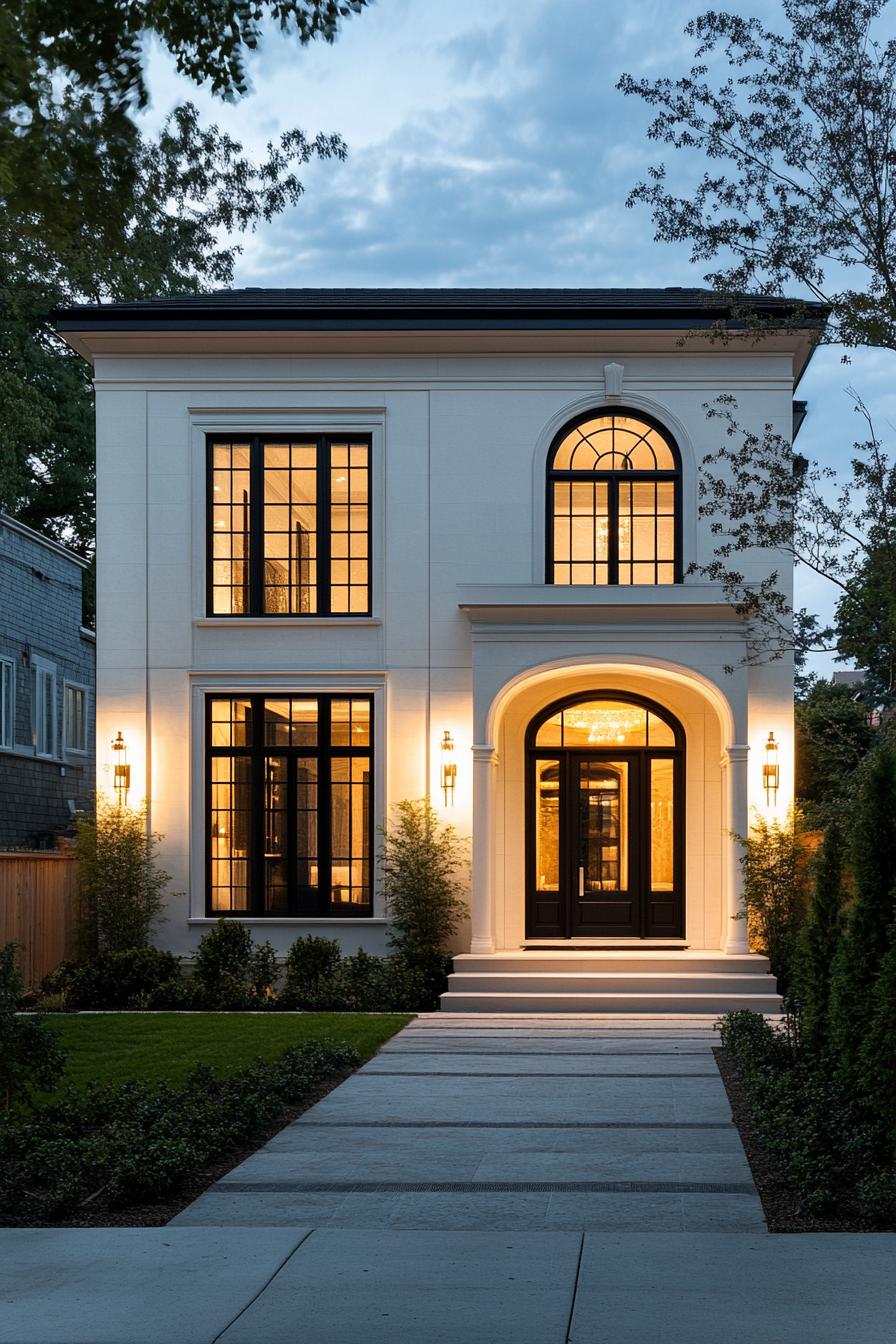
610	981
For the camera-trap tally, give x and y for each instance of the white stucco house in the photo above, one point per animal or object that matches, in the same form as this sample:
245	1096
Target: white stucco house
357	546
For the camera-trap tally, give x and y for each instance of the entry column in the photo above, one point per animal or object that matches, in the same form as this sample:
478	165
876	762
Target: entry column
485	762
734	760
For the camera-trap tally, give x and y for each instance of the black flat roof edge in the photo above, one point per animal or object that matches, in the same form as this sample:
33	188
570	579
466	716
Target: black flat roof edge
95	320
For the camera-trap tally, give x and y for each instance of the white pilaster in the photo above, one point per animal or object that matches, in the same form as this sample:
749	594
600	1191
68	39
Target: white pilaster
485	762
735	768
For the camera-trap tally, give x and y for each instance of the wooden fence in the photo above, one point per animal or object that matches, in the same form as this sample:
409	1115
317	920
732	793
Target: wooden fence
37	892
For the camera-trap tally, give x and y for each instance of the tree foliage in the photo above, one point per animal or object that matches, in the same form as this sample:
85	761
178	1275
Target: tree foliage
833	737
800	131
91	208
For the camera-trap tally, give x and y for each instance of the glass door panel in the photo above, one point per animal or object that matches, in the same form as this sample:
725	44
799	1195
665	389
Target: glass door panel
662	824
601	848
547	825
603	826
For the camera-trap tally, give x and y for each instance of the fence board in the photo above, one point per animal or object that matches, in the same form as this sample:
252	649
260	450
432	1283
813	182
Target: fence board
37	892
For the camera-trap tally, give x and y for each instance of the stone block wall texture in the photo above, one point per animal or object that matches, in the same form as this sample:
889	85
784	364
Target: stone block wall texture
41	616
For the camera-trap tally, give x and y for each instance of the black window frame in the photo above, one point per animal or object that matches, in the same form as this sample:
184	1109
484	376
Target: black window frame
303	902
323	505
612	480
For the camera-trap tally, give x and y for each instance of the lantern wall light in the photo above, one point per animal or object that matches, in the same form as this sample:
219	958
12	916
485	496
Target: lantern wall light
121	771
449	767
771	770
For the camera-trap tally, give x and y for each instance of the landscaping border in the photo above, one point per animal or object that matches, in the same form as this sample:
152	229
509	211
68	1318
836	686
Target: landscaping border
779	1200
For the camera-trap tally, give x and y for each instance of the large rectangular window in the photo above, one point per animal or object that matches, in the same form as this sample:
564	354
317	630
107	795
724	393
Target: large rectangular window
289	526
289	805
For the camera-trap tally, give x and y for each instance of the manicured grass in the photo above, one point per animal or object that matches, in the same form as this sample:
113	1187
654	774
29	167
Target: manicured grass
163	1047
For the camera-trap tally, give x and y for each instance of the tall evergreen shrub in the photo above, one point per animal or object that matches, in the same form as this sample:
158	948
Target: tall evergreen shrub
857	962
878	1055
776	891
121	886
420	860
818	940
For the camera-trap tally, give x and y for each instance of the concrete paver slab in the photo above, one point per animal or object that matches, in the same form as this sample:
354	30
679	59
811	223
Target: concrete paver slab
429	1286
132	1285
701	1288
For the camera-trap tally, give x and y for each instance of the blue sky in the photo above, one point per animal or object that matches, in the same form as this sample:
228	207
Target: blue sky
488	146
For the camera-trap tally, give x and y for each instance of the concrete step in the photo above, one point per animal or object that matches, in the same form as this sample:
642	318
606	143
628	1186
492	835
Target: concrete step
659	1003
638	962
607	982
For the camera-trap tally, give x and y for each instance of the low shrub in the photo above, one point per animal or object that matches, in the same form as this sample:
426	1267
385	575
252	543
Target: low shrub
320	979
143	977
812	1124
30	1057
232	972
139	1143
311	966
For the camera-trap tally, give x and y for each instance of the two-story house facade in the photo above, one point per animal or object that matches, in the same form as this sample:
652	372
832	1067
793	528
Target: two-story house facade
361	546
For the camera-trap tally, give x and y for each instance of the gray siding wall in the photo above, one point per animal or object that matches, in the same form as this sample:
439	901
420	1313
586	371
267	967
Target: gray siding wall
40	617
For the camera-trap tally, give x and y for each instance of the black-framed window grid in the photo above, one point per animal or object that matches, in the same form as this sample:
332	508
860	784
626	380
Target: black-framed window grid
303	553
609	499
278	799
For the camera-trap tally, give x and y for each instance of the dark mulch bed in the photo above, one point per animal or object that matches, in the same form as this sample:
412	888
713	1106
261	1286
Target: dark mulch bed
157	1215
779	1200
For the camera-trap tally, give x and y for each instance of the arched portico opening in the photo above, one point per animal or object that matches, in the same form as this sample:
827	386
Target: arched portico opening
605	775
712	797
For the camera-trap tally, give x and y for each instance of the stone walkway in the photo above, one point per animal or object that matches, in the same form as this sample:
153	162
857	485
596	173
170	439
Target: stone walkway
489	1180
510	1124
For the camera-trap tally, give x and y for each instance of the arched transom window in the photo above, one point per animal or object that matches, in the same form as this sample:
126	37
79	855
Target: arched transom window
613	502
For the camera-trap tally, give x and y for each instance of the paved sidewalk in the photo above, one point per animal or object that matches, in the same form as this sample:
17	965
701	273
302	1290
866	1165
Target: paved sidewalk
510	1124
525	1181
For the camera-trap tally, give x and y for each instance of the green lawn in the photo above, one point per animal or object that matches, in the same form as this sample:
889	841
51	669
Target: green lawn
165	1046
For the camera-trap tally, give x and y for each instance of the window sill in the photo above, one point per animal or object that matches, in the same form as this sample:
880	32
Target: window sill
293	622
334	921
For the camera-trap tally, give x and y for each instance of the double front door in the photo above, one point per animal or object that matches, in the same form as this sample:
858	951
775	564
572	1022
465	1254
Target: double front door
604	845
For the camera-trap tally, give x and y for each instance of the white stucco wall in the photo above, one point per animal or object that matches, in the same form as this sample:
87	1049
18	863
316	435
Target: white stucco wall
459	444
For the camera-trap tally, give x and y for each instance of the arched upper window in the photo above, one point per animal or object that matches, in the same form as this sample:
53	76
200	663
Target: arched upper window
613	503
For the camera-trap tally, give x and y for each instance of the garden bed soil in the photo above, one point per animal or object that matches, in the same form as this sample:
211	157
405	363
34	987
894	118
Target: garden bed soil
779	1200
158	1214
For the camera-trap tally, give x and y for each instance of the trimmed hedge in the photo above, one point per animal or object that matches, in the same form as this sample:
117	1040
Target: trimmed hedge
235	974
137	1143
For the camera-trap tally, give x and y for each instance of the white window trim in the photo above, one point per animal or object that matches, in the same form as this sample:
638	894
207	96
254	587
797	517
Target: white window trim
75	686
43	668
8	738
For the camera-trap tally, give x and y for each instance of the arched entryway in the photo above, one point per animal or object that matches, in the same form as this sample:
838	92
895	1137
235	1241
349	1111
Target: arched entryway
604	819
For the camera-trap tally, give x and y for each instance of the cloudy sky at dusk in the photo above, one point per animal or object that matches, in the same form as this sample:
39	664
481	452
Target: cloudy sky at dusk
488	146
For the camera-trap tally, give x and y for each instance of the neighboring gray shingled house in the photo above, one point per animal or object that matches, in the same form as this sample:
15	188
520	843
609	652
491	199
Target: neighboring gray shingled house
47	685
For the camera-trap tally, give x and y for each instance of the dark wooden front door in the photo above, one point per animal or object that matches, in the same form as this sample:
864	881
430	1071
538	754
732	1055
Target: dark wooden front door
604	845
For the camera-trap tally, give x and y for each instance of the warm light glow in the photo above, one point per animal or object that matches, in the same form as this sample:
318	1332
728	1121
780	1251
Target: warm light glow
771	771
448	774
121	771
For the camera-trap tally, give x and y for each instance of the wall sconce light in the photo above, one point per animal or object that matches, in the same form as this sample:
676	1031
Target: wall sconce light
771	771
121	771
449	767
